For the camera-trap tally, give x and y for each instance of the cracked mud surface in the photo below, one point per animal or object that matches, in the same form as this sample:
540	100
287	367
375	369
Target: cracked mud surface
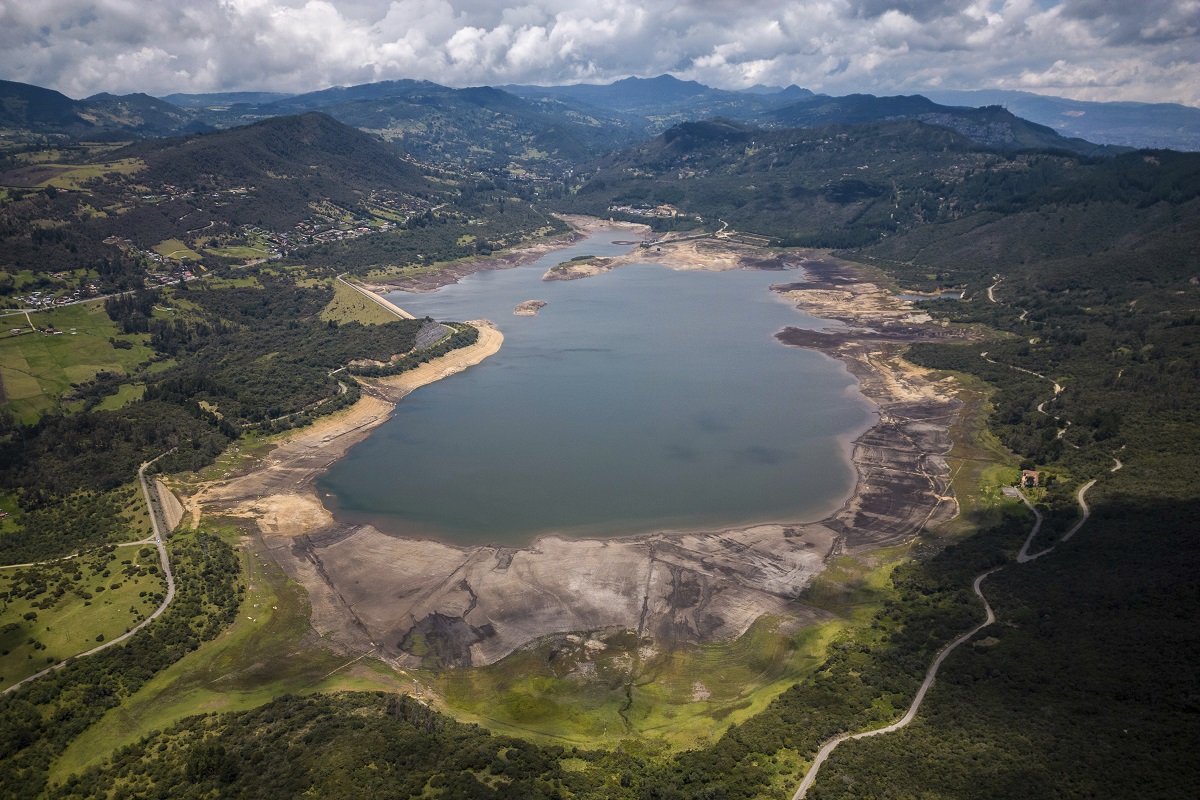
421	602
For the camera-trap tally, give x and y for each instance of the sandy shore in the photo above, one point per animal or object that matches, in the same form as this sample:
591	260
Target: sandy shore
279	492
395	387
903	479
684	253
414	600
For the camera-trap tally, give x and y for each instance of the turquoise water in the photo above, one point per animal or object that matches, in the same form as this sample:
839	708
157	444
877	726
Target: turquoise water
640	400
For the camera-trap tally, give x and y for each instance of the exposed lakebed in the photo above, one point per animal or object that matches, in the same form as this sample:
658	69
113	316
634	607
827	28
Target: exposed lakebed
639	400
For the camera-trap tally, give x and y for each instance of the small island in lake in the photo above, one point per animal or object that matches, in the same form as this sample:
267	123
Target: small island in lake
529	308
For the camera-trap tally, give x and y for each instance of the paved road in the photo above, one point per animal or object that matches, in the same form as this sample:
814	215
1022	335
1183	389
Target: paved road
155	520
990	617
390	306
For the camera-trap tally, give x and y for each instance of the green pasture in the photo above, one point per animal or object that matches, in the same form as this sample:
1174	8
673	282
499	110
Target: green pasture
176	250
76	603
238	251
606	688
76	176
38	368
125	394
267	652
349	305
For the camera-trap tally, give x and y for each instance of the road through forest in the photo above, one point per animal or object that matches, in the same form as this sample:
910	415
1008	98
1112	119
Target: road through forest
1023	557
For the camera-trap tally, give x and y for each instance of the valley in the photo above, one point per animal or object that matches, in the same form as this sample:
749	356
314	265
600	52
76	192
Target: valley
475	606
704	649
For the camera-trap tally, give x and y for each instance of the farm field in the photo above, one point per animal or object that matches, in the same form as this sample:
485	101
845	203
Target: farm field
37	369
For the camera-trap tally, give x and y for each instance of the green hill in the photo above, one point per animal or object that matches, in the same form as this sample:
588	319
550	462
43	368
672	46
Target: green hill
992	126
102	117
291	162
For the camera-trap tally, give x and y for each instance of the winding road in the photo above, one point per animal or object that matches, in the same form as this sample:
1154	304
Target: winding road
908	717
1022	558
155	508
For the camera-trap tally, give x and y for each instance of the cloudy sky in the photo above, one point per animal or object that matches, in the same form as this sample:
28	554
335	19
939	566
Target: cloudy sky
1145	50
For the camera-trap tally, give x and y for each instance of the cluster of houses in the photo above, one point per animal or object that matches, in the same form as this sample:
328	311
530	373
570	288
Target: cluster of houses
317	229
49	330
308	233
47	299
664	210
316	233
170	192
397	203
166	271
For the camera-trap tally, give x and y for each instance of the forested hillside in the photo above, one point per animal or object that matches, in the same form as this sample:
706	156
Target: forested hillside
992	126
290	161
109	220
31	112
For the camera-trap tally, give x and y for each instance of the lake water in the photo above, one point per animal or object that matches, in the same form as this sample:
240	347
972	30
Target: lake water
639	400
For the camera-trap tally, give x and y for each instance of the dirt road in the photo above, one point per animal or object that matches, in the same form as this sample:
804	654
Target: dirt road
989	617
155	505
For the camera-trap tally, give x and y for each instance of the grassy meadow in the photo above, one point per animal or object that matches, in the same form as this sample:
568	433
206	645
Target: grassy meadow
50	612
349	305
267	652
37	369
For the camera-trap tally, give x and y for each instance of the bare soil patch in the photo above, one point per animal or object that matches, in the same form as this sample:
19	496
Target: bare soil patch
903	480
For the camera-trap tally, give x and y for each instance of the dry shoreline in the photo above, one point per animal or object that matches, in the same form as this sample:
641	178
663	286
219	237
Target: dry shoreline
411	600
279	492
581	228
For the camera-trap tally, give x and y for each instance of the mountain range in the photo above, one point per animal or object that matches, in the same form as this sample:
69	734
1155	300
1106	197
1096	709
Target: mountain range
32	109
1145	125
549	130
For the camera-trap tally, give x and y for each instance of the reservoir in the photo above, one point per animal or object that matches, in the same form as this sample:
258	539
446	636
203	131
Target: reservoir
639	400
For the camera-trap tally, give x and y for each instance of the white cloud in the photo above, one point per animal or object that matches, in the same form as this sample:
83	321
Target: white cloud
1080	48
